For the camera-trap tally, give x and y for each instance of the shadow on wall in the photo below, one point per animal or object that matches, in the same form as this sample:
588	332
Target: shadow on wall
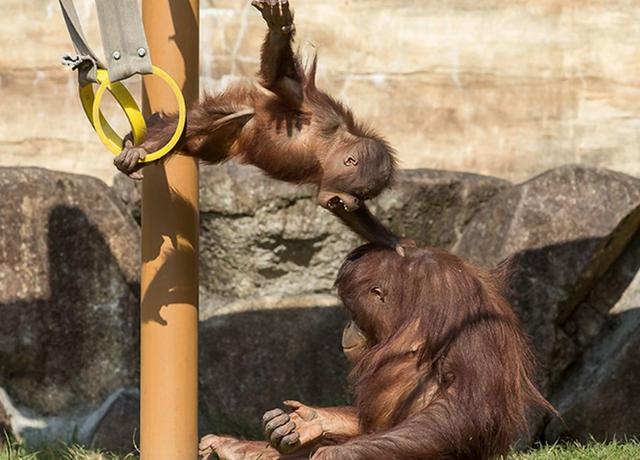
563	294
67	353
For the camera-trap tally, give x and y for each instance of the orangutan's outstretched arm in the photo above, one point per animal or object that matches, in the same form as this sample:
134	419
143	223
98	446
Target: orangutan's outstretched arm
211	127
279	69
433	433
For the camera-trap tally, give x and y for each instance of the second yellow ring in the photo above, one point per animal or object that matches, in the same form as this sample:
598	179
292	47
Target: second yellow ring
91	105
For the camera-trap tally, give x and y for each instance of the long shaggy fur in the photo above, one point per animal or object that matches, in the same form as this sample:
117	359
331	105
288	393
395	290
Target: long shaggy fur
449	373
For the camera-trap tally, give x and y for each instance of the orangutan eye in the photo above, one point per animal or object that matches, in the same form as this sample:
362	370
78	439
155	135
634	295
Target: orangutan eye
377	292
350	161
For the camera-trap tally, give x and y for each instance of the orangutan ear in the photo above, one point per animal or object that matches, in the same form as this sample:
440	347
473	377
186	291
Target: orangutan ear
379	293
350	161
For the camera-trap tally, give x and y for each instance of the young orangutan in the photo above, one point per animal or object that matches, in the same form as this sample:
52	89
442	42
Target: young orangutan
288	128
442	369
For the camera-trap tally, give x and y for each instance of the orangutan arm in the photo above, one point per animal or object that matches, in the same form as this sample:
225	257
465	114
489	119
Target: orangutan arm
279	69
340	423
211	127
434	433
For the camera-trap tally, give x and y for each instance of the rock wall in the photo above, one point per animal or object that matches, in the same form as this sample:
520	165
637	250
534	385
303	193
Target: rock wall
501	87
68	296
270	322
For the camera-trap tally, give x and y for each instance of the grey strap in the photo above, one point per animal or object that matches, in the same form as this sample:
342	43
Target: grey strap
86	61
125	44
123	38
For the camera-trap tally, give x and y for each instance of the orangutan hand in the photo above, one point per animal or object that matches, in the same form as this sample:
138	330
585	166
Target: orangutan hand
288	433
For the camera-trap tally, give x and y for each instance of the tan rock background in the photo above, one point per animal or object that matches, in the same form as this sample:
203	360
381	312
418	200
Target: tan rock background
502	87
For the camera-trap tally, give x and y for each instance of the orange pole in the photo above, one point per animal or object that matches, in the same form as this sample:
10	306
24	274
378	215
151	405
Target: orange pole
169	278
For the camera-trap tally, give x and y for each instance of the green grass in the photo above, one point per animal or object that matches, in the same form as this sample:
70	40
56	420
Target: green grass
13	451
629	450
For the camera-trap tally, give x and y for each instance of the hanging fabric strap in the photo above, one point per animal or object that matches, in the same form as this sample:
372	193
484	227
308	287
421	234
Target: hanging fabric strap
127	53
123	38
86	62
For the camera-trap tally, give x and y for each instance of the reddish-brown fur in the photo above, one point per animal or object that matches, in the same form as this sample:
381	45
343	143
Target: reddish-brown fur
445	372
448	373
288	128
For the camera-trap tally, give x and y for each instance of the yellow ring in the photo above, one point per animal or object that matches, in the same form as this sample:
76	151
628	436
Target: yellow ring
109	137
113	142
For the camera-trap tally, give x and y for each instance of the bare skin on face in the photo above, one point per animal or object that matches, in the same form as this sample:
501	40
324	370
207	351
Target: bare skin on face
287	127
354	342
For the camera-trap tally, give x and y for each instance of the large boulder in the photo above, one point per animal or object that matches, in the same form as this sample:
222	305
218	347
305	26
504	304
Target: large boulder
563	230
599	395
261	237
117	428
68	303
256	353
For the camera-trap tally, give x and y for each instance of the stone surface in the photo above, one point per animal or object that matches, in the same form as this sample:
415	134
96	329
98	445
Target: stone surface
501	87
256	353
434	207
600	395
118	429
68	297
5	426
563	230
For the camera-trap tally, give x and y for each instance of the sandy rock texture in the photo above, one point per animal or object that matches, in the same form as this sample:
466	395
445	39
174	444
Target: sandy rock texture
504	88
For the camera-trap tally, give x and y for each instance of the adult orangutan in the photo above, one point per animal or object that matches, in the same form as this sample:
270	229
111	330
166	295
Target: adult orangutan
442	369
288	128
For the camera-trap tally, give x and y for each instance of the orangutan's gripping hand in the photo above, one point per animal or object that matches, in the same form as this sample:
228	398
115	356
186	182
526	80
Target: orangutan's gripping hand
128	161
277	15
159	131
288	433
